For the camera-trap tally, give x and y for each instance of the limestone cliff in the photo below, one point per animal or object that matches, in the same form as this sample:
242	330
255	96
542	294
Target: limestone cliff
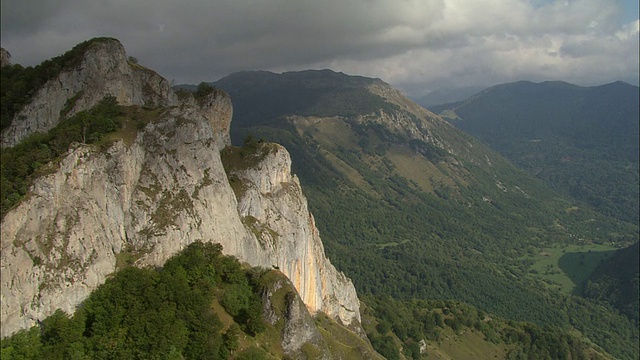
149	198
103	70
271	204
5	57
284	309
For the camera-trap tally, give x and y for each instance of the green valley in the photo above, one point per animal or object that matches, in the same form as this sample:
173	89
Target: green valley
410	207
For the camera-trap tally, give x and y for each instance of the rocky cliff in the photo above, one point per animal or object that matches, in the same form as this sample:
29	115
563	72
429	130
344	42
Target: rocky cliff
5	57
272	206
103	70
148	198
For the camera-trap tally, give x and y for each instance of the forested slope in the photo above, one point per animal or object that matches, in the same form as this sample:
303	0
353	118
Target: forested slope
582	141
411	208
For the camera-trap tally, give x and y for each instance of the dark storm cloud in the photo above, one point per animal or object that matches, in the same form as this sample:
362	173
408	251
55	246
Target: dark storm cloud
410	43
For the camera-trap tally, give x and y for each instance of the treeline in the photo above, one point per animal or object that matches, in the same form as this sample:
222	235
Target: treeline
155	314
20	84
21	163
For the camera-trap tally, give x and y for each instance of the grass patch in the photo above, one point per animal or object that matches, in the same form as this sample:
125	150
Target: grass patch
469	345
342	343
566	267
128	257
133	119
417	169
258	229
236	159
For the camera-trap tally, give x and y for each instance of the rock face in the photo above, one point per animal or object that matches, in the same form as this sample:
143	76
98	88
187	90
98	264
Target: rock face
151	198
272	205
5	57
284	309
104	70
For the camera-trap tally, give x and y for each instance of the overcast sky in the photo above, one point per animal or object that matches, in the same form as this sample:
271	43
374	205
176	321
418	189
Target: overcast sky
416	45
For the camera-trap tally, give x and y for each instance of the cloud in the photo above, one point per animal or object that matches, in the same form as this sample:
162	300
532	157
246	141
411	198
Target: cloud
413	44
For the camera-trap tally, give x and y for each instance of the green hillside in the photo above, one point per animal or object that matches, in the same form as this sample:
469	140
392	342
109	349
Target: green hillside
582	141
615	280
410	207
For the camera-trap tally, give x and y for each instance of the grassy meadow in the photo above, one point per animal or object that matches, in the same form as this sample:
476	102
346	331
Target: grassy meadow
566	267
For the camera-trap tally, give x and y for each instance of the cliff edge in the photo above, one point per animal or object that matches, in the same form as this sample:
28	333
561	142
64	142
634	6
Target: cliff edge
149	198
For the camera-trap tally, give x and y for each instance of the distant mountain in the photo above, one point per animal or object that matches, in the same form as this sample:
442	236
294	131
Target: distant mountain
411	207
448	95
582	141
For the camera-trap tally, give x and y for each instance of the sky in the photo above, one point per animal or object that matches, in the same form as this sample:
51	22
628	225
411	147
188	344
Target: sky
415	45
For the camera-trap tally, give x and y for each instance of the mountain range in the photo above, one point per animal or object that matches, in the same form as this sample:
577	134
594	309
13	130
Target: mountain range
453	250
582	141
413	208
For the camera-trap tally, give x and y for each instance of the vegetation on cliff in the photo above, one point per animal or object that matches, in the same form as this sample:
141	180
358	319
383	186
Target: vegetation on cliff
21	163
20	84
152	314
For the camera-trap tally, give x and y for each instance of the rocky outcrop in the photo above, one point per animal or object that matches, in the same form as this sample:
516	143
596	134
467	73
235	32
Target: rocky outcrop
5	57
284	309
104	70
271	203
152	198
148	199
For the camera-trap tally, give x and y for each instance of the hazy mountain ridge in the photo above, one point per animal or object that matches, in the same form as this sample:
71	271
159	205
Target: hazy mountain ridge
448	95
582	141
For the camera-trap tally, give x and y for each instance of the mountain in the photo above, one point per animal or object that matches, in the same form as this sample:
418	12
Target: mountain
412	208
582	141
448	95
104	166
105	178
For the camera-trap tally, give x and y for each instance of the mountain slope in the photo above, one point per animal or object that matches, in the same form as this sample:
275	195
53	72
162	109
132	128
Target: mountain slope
615	280
409	206
582	141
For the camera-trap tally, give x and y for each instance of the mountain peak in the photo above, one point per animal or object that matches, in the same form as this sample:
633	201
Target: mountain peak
81	78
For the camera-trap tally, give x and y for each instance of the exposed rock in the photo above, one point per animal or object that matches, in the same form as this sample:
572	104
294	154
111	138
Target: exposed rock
300	331
273	206
104	70
150	199
416	123
5	57
284	308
